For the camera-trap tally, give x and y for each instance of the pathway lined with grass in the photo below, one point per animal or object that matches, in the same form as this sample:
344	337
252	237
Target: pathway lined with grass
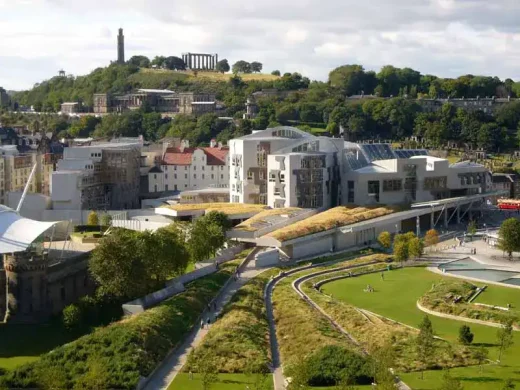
395	297
164	375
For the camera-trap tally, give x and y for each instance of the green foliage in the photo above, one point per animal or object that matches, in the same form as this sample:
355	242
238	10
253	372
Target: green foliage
129	264
256	67
385	239
480	354
449	382
505	336
72	316
465	335
424	342
106	219
508	384
242	67
407	246
93	219
331	363
222	66
415	248
275	73
139	61
208	235
509	236
472	228
116	356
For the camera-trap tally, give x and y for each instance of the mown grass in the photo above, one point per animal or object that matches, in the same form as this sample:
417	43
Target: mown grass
375	333
116	356
441	297
239	340
396	298
225	382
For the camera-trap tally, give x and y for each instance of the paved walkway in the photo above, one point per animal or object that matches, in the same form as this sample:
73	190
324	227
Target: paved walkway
173	363
459	318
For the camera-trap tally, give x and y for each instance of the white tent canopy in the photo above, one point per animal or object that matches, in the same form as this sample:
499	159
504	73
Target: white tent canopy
18	233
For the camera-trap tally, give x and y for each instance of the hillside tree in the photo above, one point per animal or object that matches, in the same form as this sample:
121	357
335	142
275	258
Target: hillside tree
424	343
431	237
174	63
242	67
505	336
509	236
276	73
385	239
140	61
222	66
256	67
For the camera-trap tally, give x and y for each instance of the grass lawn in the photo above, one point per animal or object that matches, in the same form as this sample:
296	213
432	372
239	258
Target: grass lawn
501	296
225	382
396	297
20	344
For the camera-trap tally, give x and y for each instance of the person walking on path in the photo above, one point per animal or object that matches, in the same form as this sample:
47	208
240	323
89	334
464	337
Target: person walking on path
383	276
202	324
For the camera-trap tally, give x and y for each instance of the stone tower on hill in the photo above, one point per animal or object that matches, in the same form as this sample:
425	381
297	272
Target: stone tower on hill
120	47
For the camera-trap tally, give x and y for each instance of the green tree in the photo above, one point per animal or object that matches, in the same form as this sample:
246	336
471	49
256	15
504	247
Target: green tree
96	377
93	219
242	67
128	264
449	382
72	316
276	73
222	66
465	335
508	384
480	354
424	343
207	370
505	336
415	248
401	251
256	67
509	236
106	220
385	239
140	61
472	228
383	359
174	63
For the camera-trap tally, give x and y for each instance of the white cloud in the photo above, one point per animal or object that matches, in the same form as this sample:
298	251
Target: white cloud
444	37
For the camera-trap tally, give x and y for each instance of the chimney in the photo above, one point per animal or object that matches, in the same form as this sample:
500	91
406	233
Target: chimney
213	143
220	145
184	144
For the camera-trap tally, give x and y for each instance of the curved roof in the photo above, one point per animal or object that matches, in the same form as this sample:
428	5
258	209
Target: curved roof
18	233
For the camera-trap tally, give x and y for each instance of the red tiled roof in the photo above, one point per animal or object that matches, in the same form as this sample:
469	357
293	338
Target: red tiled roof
216	156
174	156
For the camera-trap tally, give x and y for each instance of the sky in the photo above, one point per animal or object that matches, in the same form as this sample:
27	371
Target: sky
447	38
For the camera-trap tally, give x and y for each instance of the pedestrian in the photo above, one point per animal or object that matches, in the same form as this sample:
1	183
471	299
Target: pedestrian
209	321
383	276
191	375
202	324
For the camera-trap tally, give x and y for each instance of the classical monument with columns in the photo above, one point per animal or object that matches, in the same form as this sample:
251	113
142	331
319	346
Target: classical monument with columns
197	61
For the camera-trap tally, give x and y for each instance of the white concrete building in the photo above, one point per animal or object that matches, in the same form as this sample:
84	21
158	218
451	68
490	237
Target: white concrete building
287	167
184	168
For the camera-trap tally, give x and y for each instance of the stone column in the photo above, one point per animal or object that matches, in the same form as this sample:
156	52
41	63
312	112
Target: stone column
417	226
432	219
446	218
458	214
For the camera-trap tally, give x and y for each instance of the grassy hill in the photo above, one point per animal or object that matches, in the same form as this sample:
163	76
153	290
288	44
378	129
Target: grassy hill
49	94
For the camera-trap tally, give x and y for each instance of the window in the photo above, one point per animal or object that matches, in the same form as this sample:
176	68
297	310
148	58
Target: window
166	187
221	176
155	176
250	175
276	191
175	176
202	167
212	176
166	176
272	177
194	167
175	167
282	177
233	187
185	168
194	158
185	175
435	183
261	176
212	167
202	176
373	189
392	185
175	187
194	175
185	186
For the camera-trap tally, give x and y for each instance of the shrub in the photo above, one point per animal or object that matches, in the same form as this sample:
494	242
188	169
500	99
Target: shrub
332	363
72	317
465	335
385	239
93	219
106	219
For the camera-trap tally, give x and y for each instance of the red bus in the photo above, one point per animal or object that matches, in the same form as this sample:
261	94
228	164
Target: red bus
508	204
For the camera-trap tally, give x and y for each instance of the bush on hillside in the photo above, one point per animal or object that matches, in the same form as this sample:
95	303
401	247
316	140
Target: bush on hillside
125	350
332	363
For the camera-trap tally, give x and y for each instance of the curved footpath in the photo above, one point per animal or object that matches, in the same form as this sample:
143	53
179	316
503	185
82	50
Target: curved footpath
296	286
460	318
166	372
